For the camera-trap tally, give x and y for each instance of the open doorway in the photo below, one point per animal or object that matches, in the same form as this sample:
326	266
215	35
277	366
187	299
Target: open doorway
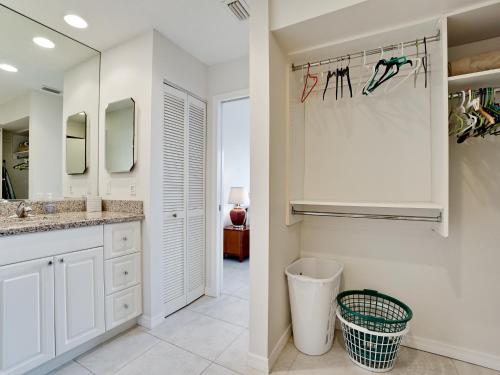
234	251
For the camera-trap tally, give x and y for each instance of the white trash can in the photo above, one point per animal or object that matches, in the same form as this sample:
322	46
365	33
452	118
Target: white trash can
313	285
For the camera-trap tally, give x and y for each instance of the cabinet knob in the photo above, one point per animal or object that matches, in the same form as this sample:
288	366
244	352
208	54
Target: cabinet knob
61	260
126	306
174	215
50	263
125	272
124	238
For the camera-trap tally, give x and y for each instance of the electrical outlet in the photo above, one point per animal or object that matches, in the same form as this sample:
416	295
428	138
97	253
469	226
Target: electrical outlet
71	189
132	190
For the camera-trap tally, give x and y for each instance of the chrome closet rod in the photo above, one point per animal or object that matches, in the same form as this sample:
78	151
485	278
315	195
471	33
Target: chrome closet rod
374	51
433	219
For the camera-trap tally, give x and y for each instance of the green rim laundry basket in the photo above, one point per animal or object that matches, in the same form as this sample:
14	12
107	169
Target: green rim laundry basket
373	325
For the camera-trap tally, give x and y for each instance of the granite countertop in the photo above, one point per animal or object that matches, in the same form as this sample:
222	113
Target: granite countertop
10	226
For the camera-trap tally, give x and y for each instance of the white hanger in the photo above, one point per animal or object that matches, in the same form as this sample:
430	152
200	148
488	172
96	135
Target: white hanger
418	63
360	88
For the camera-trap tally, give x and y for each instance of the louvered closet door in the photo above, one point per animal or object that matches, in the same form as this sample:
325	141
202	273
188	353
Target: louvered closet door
174	274
196	199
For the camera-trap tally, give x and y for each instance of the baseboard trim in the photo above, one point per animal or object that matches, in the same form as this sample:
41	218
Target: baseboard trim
455	352
258	362
211	291
79	350
266	364
280	345
150	322
437	347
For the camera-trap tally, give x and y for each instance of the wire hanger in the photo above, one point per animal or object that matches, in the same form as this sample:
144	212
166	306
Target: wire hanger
314	78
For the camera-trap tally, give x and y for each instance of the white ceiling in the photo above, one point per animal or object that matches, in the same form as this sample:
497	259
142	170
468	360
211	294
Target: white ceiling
37	66
204	28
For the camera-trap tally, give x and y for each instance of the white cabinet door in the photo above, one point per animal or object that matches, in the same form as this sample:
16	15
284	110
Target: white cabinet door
79	298
196	199
26	315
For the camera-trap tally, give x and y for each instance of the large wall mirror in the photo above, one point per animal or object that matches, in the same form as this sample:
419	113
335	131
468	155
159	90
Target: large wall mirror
120	136
49	105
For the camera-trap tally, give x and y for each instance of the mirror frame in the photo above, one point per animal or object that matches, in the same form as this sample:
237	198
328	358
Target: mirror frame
134	136
86	142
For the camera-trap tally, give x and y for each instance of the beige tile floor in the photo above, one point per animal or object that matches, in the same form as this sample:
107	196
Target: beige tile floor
210	337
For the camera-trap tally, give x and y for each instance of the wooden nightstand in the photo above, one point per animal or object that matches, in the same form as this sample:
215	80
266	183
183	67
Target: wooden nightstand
237	242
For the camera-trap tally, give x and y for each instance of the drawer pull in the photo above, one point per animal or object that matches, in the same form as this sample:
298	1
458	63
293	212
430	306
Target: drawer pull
126	306
124	238
125	273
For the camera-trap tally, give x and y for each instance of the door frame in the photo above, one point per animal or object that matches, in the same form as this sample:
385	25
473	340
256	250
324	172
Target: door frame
214	259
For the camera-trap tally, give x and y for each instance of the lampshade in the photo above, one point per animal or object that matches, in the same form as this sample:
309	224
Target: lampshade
238	195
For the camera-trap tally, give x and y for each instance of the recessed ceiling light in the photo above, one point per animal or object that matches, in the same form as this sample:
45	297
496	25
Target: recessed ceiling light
8	68
75	21
43	42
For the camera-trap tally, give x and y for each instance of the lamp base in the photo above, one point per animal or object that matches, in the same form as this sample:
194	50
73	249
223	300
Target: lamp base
238	217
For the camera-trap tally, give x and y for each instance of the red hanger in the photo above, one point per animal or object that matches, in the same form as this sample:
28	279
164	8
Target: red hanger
313	77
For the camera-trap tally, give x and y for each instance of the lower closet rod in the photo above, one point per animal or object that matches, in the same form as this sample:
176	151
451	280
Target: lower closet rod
433	219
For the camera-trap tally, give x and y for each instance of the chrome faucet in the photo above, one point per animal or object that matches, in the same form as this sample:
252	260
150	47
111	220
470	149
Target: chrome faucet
22	210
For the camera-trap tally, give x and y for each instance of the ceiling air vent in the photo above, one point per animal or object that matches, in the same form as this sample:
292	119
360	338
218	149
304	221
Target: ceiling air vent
239	8
51	90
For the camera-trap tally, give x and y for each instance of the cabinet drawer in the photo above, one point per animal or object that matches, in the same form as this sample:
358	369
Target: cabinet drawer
123	306
121	239
122	272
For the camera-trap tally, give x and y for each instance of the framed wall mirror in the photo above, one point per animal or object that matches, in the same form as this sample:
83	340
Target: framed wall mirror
76	144
46	80
120	136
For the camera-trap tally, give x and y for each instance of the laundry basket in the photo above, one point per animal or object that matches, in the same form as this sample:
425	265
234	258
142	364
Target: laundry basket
313	285
373	325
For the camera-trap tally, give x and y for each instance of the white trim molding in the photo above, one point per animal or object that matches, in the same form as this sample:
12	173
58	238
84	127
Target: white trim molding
258	362
451	351
150	322
266	364
214	225
280	345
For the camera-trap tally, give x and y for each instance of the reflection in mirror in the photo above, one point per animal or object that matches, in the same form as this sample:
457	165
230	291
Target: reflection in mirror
76	143
40	90
120	136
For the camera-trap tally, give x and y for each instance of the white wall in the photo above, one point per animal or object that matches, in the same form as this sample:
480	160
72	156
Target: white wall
15	109
288	12
126	72
259	182
45	174
226	81
284	241
447	282
137	69
175	65
81	94
45	136
236	149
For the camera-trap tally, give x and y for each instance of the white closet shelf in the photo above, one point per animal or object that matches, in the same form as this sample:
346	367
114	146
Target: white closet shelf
487	78
410	211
